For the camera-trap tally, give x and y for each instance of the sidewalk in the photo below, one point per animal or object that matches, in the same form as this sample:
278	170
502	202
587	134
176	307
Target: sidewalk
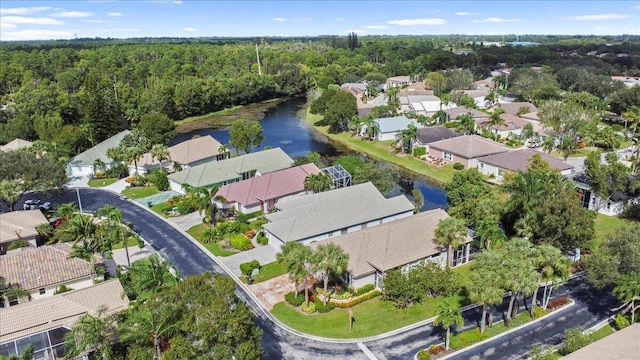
119	257
263	253
117	186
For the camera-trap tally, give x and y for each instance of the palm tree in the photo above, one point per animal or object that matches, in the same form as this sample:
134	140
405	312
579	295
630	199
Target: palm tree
355	124
114	226
518	272
160	153
296	258
628	291
548	144
485	284
406	138
372	128
392	97
467	125
10	192
153	321
452	233
116	154
81	228
66	211
224	151
552	266
328	259
150	276
495	120
206	202
448	314
98	165
632	115
92	334
491	98
318	182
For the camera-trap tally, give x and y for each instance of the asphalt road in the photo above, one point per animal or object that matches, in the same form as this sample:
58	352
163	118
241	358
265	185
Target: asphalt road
280	343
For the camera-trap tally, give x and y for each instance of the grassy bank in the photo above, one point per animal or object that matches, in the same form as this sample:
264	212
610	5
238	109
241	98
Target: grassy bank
97	183
139	192
226	117
606	225
196	233
382	150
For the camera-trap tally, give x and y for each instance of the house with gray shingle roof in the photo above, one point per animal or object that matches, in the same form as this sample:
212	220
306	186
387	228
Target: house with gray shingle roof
401	243
20	225
465	149
16	144
186	154
498	165
40	270
389	127
82	164
429	134
263	192
219	173
323	215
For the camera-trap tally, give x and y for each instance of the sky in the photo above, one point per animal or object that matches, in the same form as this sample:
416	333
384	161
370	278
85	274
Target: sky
41	20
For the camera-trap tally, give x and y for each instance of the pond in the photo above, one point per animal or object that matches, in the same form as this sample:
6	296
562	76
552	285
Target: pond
282	127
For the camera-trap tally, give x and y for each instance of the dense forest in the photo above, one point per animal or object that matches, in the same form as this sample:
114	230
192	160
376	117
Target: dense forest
78	93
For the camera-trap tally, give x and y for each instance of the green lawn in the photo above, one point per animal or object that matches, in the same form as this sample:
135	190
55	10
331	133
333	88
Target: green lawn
602	332
464	271
372	317
196	233
383	150
161	208
269	271
606	225
131	242
96	183
140	192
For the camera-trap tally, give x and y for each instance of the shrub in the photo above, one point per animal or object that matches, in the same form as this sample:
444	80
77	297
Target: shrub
240	242
99	174
621	322
18	244
293	300
435	349
539	312
210	235
244	218
138	181
308	308
458	166
419	151
424	355
467	338
247	268
364	289
62	289
185	208
250	234
556	303
118	172
574	339
158	177
263	239
129	180
322	308
357	300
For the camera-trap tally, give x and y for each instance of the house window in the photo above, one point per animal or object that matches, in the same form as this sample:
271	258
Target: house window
343	231
607	206
13	300
346	278
42	291
447	156
481	166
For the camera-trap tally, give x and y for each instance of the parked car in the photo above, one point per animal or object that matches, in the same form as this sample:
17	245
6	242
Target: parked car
37	204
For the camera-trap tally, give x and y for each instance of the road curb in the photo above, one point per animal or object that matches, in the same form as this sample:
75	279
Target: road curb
473	346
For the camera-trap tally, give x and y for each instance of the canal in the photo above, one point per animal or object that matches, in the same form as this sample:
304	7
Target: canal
283	127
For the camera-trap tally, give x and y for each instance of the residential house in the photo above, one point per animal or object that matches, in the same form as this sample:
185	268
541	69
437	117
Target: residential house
16	144
41	270
429	134
426	105
621	345
629	81
20	225
219	173
402	243
498	165
185	155
453	113
512	108
44	323
415	89
389	127
512	125
478	95
465	149
614	205
82	164
397	81
323	215
263	192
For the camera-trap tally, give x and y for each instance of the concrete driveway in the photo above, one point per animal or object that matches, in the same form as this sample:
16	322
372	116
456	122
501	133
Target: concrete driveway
263	253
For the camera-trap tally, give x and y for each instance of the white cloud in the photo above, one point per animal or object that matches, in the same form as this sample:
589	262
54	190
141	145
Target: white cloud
609	16
496	20
355	31
23	10
301	19
29	20
115	13
7	26
34	35
411	22
601	28
120	30
72	14
338	19
177	2
464	13
190	29
97	21
279	19
376	27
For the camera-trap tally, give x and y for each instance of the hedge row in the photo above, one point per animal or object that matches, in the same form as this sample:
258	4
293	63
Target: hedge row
357	300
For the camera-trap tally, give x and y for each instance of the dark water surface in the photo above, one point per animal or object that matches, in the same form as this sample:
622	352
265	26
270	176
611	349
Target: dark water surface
283	128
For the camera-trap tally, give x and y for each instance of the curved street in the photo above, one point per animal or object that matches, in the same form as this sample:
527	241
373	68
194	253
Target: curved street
280	342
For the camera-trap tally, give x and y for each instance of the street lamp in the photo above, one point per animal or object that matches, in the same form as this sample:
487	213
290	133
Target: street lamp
79	201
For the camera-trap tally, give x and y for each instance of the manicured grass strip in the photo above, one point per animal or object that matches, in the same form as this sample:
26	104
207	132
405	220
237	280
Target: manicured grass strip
131	242
139	192
270	271
96	183
606	225
384	151
162	208
196	233
372	317
602	332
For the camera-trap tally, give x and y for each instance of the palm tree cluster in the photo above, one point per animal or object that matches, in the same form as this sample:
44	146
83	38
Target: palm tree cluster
301	262
205	201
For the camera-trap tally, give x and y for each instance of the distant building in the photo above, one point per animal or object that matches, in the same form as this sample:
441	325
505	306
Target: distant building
20	225
82	164
16	144
498	165
465	149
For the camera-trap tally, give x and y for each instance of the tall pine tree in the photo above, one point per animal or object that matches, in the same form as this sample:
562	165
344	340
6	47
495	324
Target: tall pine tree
101	109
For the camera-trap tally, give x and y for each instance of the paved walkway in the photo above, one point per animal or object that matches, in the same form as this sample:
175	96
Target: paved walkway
120	257
78	182
263	253
272	291
117	186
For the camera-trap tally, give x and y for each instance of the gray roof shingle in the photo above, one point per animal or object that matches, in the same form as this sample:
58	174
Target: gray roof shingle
518	160
469	146
99	151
